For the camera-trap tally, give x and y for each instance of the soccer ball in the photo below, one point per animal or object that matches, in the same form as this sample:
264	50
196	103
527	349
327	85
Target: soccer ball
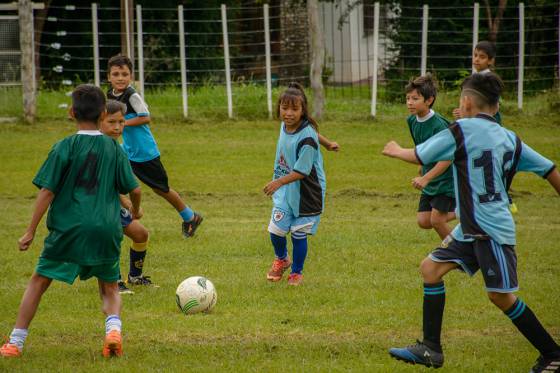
196	294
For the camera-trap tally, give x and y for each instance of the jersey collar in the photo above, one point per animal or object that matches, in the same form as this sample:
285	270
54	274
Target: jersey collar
487	117
89	132
304	124
425	118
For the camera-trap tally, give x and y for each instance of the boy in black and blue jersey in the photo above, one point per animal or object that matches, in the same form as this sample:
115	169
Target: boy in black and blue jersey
140	145
485	159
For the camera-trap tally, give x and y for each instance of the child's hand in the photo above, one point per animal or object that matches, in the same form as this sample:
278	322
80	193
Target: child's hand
419	183
457	113
333	146
25	241
137	214
391	149
272	187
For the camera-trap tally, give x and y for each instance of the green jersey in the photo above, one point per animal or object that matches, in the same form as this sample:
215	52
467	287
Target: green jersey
421	130
86	172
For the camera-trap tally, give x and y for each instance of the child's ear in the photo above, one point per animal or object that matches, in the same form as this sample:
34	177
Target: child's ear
491	61
430	101
71	113
102	116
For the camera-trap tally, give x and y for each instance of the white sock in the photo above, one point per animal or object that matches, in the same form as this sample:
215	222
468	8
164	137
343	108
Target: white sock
112	322
18	337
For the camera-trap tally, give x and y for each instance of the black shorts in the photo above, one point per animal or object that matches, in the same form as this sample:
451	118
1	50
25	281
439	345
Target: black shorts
439	202
498	263
152	174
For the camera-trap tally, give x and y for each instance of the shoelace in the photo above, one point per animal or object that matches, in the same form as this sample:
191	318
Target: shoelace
277	265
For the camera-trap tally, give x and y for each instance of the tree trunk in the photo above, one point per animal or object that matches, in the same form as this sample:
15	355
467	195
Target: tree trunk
317	44
494	23
25	13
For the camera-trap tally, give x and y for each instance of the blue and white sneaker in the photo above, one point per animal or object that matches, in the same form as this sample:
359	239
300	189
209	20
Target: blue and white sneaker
418	353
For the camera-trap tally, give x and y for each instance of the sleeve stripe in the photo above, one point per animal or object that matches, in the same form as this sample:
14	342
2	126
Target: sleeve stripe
299	172
547	173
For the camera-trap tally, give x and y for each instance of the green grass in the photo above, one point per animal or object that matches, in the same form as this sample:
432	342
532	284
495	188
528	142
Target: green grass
362	291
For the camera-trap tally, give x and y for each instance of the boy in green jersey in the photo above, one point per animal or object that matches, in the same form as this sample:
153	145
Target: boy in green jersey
437	201
80	183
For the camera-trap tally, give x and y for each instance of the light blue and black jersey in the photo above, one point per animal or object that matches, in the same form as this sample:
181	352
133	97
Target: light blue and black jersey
485	158
138	141
299	152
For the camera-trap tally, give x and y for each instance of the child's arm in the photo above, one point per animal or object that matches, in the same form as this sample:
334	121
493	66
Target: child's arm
394	150
457	113
135	196
421	181
328	144
273	186
42	203
137	121
554	180
125	202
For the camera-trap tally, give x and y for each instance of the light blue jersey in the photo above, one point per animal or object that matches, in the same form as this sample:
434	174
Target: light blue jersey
138	141
485	157
299	152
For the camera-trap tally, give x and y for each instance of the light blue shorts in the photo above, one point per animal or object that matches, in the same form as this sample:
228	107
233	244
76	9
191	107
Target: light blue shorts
282	222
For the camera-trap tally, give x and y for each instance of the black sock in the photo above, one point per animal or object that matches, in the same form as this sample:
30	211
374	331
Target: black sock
434	302
136	262
528	324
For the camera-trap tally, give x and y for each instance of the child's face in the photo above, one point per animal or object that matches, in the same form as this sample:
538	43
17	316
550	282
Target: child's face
481	61
291	113
113	125
416	104
119	77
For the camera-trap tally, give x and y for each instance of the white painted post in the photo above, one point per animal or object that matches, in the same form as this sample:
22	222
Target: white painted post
267	53
226	59
183	62
476	13
424	57
559	48
375	59
520	71
140	49
95	33
127	28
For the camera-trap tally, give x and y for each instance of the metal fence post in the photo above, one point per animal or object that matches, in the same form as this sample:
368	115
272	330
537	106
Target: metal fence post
520	71
95	34
183	62
424	57
25	13
375	59
226	59
476	13
268	67
140	46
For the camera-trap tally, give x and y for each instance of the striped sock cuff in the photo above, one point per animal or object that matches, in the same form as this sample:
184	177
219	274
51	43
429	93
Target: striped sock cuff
516	309
434	289
113	322
299	235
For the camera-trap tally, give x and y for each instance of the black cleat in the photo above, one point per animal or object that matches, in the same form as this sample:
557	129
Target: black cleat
123	289
189	227
139	280
546	365
418	353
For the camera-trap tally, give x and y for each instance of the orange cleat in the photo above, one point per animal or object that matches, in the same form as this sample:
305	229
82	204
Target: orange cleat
113	344
295	279
10	350
279	266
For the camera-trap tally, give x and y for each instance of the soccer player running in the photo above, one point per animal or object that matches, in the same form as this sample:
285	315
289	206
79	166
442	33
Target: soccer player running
485	159
79	183
298	185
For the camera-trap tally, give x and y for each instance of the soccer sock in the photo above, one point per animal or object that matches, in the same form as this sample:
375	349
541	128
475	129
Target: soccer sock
112	322
280	246
18	337
187	214
299	241
528	324
137	255
434	302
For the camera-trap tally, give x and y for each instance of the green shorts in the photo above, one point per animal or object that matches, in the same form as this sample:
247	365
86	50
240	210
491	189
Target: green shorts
67	272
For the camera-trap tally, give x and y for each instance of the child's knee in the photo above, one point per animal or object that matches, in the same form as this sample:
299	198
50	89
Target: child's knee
428	270
142	236
424	222
502	300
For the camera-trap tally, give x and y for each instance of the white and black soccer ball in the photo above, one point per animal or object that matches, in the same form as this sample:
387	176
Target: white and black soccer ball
196	294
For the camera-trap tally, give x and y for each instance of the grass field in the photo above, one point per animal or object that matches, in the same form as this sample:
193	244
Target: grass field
362	292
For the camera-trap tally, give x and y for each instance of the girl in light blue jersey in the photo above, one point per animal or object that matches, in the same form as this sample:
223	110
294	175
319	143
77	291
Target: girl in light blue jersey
298	185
